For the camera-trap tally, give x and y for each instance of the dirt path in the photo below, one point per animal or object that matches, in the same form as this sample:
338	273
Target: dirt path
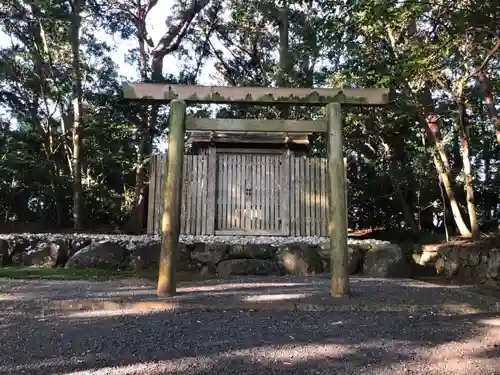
250	326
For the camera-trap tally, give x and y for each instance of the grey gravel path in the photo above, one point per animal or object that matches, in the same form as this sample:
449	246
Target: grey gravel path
386	327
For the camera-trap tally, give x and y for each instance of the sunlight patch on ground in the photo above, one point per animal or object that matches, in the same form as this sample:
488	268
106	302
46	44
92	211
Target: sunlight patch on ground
229	286
114	313
275	297
462	360
267	355
493	322
137	292
10	297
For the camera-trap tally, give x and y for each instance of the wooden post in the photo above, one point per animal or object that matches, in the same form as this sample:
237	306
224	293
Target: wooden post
211	196
337	207
171	223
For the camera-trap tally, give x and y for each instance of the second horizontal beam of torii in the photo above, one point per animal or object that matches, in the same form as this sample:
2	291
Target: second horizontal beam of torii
255	95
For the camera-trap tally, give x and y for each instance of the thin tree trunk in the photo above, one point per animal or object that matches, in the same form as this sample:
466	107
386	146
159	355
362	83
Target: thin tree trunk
284	64
144	136
488	197
45	126
391	164
484	84
469	188
78	114
408	214
429	119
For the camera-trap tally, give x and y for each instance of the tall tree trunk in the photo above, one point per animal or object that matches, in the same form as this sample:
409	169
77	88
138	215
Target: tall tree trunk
429	119
488	197
167	44
144	134
78	115
283	75
469	188
45	124
484	84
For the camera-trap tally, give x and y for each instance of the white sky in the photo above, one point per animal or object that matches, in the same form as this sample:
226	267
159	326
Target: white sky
156	27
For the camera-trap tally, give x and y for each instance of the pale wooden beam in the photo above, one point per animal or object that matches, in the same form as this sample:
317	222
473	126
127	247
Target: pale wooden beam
171	220
256	95
251	125
337	207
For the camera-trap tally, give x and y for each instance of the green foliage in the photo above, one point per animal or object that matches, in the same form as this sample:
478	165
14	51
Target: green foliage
408	47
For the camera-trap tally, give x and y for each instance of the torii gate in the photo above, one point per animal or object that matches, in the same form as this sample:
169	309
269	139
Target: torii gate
180	95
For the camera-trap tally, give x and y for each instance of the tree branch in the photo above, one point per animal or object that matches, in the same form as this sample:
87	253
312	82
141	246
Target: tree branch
173	37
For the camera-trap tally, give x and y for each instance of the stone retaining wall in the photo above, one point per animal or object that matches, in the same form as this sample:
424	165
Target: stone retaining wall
247	255
472	261
205	254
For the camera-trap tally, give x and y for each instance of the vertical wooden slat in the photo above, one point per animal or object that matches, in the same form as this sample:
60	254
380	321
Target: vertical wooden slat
193	184
258	186
285	194
199	193
151	194
211	191
320	208
205	195
270	201
194	194
244	163
303	221
265	203
155	202
221	192
192	197
239	174
183	202
160	185
228	191
277	191
252	193
317	205
257	193
310	200
324	220
307	196
218	194
185	195
225	223
187	174
272	204
189	201
298	195
234	192
293	183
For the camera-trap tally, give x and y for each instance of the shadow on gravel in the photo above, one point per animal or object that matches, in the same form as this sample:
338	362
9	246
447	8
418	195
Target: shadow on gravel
390	325
231	343
368	293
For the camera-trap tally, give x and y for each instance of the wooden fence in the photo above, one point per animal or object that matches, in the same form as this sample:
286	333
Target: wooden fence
252	194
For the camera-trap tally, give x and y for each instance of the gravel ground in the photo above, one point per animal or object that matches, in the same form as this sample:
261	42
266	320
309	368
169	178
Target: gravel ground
387	326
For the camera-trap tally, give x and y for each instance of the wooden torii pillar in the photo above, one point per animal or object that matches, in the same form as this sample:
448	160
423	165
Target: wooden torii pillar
180	95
